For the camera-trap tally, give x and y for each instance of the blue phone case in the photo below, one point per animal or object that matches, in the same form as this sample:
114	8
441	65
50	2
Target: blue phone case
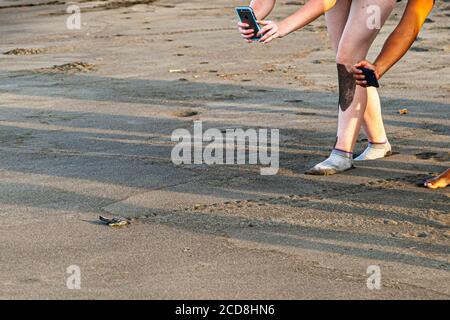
253	23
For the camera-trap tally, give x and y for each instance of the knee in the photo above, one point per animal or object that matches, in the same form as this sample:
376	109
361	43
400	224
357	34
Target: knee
345	58
350	53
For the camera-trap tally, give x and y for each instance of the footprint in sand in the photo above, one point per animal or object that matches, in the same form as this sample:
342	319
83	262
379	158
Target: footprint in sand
306	114
24	51
425	155
419	49
71	67
259	90
32	4
441	157
184	113
398	182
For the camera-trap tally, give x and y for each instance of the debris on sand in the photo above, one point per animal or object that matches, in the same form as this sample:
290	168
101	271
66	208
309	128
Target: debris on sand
422	234
117	4
116	222
184	113
24	51
71	67
178	71
23	5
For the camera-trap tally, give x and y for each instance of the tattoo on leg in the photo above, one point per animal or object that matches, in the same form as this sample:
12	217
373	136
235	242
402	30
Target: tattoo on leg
347	87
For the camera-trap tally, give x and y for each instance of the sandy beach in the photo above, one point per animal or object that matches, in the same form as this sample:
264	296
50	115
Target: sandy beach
86	118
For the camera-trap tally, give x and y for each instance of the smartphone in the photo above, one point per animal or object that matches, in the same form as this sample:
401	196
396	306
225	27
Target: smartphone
247	15
371	78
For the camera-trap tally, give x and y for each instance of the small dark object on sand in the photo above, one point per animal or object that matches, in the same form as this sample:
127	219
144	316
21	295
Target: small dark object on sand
115	222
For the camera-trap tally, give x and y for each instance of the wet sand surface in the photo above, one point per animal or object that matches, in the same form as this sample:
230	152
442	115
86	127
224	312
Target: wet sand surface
85	123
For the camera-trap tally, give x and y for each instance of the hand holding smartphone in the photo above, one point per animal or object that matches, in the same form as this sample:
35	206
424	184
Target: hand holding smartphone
370	76
247	15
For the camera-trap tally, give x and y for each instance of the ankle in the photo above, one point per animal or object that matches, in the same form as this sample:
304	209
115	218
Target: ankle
345	150
382	140
342	153
341	146
373	142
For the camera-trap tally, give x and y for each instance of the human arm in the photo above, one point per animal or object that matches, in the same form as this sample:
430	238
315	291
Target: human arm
309	12
399	41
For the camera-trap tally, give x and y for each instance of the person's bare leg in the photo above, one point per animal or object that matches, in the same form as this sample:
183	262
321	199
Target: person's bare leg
373	121
441	181
336	19
353	47
379	146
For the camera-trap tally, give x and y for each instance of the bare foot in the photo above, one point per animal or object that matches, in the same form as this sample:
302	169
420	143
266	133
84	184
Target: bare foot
440	181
